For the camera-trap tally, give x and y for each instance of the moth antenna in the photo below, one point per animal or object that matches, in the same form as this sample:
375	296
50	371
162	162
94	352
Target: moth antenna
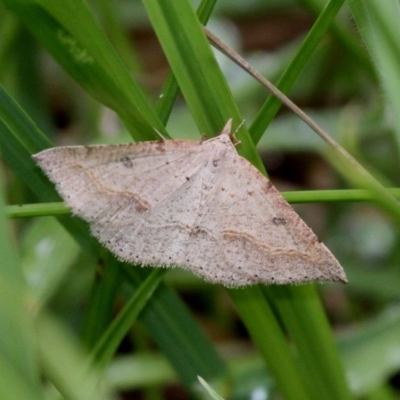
240	125
233	137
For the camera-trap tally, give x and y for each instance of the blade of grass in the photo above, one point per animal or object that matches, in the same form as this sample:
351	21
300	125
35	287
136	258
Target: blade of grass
81	48
270	341
285	83
339	29
117	35
379	28
105	289
47	253
37	210
303	316
29	86
173	327
19	368
370	351
65	363
112	337
170	90
13	385
295	197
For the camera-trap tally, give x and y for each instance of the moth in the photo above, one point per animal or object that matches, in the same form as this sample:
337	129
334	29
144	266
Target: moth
195	205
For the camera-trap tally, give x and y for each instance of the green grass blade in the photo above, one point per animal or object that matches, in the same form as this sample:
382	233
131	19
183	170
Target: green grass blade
378	23
9	268
102	297
81	48
173	327
309	328
19	369
37	210
170	89
47	253
112	337
344	37
359	176
369	352
118	37
292	197
13	385
295	67
267	335
65	363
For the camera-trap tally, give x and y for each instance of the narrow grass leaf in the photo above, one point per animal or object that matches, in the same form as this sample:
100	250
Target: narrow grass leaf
47	253
309	328
370	351
13	385
170	88
65	363
112	337
285	83
102	297
292	197
19	368
172	326
379	27
267	335
82	49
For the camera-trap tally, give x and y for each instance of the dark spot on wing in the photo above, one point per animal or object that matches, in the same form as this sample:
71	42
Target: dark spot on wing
279	221
126	162
266	187
160	146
